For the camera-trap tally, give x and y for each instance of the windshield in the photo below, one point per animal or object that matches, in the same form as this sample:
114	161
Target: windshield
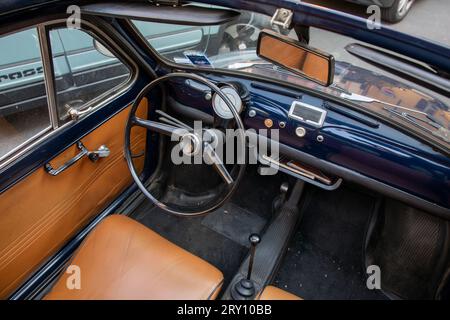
232	46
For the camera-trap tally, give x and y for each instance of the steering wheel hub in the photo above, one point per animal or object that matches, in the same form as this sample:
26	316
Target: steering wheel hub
190	144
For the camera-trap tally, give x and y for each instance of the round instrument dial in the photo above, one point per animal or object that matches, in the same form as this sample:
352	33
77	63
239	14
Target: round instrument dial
221	108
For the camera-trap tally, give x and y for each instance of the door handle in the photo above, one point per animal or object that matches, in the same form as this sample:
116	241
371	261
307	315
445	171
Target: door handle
101	152
76	114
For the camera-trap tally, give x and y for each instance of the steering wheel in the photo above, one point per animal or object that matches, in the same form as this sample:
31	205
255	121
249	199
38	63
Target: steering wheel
192	141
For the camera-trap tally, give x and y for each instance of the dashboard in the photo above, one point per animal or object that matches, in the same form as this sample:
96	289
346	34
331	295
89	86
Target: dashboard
335	141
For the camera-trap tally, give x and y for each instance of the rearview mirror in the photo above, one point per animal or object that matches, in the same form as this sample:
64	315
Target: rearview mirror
296	57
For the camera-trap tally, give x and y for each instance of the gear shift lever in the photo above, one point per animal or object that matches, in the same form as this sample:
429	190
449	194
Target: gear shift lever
245	288
254	240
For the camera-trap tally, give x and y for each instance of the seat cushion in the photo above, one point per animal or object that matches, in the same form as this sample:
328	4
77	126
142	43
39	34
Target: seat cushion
274	293
122	259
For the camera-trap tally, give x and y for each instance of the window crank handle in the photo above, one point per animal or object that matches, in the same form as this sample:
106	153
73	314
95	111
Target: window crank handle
102	152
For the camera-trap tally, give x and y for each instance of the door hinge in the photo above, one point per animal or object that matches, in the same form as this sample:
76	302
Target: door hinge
282	18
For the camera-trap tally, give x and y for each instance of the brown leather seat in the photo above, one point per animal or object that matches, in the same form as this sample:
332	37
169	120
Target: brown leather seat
274	293
122	259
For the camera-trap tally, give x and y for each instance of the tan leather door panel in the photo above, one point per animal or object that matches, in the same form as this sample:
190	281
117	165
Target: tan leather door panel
42	212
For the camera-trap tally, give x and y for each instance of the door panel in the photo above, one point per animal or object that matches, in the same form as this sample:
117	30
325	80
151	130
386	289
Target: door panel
42	212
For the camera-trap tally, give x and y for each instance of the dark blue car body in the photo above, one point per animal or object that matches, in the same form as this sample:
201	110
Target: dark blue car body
358	146
383	155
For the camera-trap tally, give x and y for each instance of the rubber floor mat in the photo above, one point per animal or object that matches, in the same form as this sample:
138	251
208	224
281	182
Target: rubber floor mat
325	258
234	223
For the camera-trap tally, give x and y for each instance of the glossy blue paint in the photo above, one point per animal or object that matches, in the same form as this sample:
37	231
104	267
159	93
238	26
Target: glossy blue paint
382	153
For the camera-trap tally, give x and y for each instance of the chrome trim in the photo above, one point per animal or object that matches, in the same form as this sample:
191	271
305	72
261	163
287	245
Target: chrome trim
282	17
302	174
48	132
41	133
47	64
54	172
50	124
323	113
102	152
300	132
131	65
76	114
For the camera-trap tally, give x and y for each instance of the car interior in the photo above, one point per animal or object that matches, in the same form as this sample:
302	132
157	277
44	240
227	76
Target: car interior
211	166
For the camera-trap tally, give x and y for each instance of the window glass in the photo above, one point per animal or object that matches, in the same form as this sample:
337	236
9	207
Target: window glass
84	70
167	38
232	46
391	95
228	46
24	110
422	19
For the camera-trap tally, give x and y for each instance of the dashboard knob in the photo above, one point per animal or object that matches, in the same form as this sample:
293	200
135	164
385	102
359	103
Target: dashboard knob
268	123
300	132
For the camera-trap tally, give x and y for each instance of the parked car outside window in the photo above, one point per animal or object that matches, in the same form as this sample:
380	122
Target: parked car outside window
391	10
24	112
83	77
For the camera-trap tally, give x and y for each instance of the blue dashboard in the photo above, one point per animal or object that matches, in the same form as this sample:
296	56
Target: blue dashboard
360	146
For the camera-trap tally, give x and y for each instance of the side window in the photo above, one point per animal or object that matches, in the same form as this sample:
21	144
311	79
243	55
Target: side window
24	112
85	71
170	38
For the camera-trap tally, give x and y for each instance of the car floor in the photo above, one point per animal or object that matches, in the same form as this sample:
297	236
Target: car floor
324	259
221	236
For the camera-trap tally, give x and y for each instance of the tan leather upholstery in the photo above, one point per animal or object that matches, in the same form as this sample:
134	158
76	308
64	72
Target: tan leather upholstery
42	212
122	259
274	293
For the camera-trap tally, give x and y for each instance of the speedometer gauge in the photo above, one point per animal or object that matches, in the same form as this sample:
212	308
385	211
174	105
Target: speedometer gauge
221	108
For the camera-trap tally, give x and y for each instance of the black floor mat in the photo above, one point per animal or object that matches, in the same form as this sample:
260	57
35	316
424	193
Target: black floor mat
411	249
234	223
256	193
325	258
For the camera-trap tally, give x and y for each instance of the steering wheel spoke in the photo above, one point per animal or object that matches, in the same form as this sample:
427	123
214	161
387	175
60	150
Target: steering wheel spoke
213	158
163	128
